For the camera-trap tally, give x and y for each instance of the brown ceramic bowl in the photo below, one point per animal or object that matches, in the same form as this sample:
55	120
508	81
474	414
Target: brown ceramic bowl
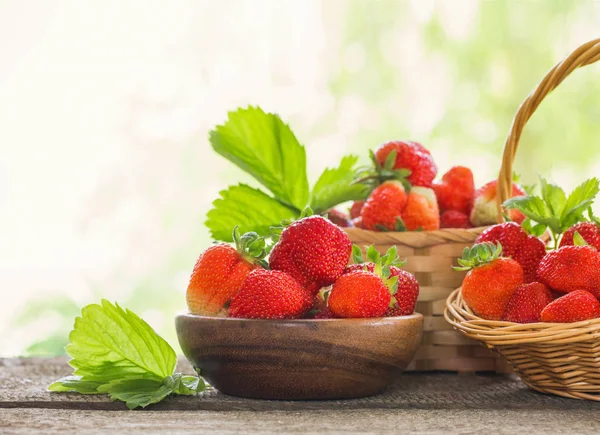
299	359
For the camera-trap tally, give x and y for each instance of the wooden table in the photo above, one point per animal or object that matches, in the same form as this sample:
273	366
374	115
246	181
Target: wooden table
417	403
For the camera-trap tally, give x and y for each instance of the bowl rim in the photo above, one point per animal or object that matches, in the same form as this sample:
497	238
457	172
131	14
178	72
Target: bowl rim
414	315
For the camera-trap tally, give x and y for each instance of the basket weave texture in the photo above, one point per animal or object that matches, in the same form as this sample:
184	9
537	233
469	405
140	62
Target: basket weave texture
555	358
430	255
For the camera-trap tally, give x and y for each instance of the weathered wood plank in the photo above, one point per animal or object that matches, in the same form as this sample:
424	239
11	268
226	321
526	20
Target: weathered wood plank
27	421
23	383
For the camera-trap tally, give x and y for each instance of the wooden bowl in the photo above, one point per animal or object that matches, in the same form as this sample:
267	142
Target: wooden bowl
299	359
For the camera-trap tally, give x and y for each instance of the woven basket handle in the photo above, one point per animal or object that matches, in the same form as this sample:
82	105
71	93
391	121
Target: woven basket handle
585	55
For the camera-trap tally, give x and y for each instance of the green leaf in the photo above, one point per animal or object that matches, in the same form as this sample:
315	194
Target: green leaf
357	255
116	352
373	254
335	186
249	208
262	145
75	383
554	197
536	209
138	392
578	201
390	160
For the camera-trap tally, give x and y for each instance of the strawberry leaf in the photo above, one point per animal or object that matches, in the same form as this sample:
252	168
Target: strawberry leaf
578	201
373	254
262	145
390	160
335	186
578	240
554	197
248	208
357	255
400	226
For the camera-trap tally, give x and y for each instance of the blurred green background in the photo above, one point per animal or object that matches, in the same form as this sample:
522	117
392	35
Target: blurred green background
105	108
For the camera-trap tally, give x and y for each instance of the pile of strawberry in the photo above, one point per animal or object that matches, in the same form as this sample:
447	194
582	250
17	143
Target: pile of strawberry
514	277
405	197
307	276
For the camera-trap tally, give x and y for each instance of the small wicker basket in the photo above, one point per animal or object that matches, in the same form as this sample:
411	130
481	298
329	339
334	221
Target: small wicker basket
430	255
555	358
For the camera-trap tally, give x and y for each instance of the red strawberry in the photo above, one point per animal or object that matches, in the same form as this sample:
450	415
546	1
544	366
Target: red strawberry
357	222
573	307
484	210
526	250
419	147
529	256
356	209
421	210
219	273
527	302
588	230
454	219
270	294
510	235
456	190
338	217
384	206
411	156
491	280
313	251
408	288
325	313
359	294
571	268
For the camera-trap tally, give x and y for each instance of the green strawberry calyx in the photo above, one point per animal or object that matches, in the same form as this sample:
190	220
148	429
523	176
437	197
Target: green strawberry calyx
479	255
382	266
376	174
251	246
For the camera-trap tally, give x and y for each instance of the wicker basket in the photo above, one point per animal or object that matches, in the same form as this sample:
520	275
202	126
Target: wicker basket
430	255
555	358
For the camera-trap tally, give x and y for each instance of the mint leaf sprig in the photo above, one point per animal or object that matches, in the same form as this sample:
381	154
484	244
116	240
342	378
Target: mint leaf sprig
554	210
117	353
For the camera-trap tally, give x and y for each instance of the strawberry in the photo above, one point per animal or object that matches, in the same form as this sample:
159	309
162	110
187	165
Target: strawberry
588	230
356	209
454	219
359	294
384	206
411	156
338	217
527	302
220	271
357	222
484	210
529	256
456	190
526	250
571	268
491	279
509	234
407	293
313	251
270	294
407	287
573	307
325	313
421	210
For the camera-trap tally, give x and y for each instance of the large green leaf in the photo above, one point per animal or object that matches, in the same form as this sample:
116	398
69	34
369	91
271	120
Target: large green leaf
110	343
264	146
248	208
334	186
